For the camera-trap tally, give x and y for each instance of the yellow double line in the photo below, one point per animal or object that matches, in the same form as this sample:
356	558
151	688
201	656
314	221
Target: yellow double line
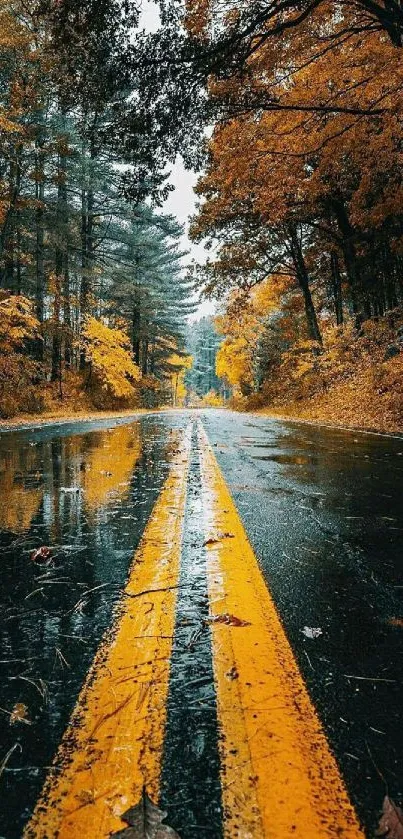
279	778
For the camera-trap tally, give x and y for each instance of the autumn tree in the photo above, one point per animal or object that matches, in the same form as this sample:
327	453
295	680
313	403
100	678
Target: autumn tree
108	355
309	180
240	360
19	374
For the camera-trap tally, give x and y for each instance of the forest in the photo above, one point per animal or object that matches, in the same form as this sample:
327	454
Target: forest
292	114
94	290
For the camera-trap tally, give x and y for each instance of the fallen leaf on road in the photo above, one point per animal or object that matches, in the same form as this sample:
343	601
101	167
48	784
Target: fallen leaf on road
230	620
391	822
232	674
19	714
85	798
311	631
145	822
214	539
42	556
395	621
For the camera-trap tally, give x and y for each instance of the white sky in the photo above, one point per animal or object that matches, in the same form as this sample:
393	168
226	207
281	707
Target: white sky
181	203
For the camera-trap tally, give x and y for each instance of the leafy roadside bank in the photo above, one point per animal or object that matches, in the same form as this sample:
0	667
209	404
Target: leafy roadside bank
355	403
354	379
323	418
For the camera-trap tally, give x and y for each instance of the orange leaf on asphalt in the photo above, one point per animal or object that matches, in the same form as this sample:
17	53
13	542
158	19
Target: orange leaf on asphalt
229	620
214	539
19	714
391	821
42	556
396	622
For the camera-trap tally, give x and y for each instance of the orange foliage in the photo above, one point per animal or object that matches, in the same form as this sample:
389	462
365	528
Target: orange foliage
18	372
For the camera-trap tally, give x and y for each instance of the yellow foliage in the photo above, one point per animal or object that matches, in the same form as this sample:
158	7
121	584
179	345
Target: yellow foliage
181	362
18	371
234	362
178	365
351	382
212	399
243	324
108	353
17	322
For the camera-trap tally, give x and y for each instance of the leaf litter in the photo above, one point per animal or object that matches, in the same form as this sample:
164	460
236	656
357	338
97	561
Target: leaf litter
145	822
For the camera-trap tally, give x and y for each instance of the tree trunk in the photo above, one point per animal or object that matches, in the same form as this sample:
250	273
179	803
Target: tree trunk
67	313
303	282
136	320
152	359
18	237
60	263
40	238
144	361
87	238
350	258
8	232
336	287
56	339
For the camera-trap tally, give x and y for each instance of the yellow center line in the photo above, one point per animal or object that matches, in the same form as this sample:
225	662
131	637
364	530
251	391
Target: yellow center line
279	776
113	744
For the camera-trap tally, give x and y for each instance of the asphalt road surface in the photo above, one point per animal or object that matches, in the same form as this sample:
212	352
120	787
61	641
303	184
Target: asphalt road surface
322	510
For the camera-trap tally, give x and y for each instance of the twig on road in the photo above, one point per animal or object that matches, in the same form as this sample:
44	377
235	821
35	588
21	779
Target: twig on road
5	760
370	678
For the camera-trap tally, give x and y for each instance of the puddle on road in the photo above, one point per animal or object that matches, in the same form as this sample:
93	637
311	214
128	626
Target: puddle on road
291	459
87	497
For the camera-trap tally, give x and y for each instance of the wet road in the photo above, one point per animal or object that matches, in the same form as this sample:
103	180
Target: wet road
323	513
